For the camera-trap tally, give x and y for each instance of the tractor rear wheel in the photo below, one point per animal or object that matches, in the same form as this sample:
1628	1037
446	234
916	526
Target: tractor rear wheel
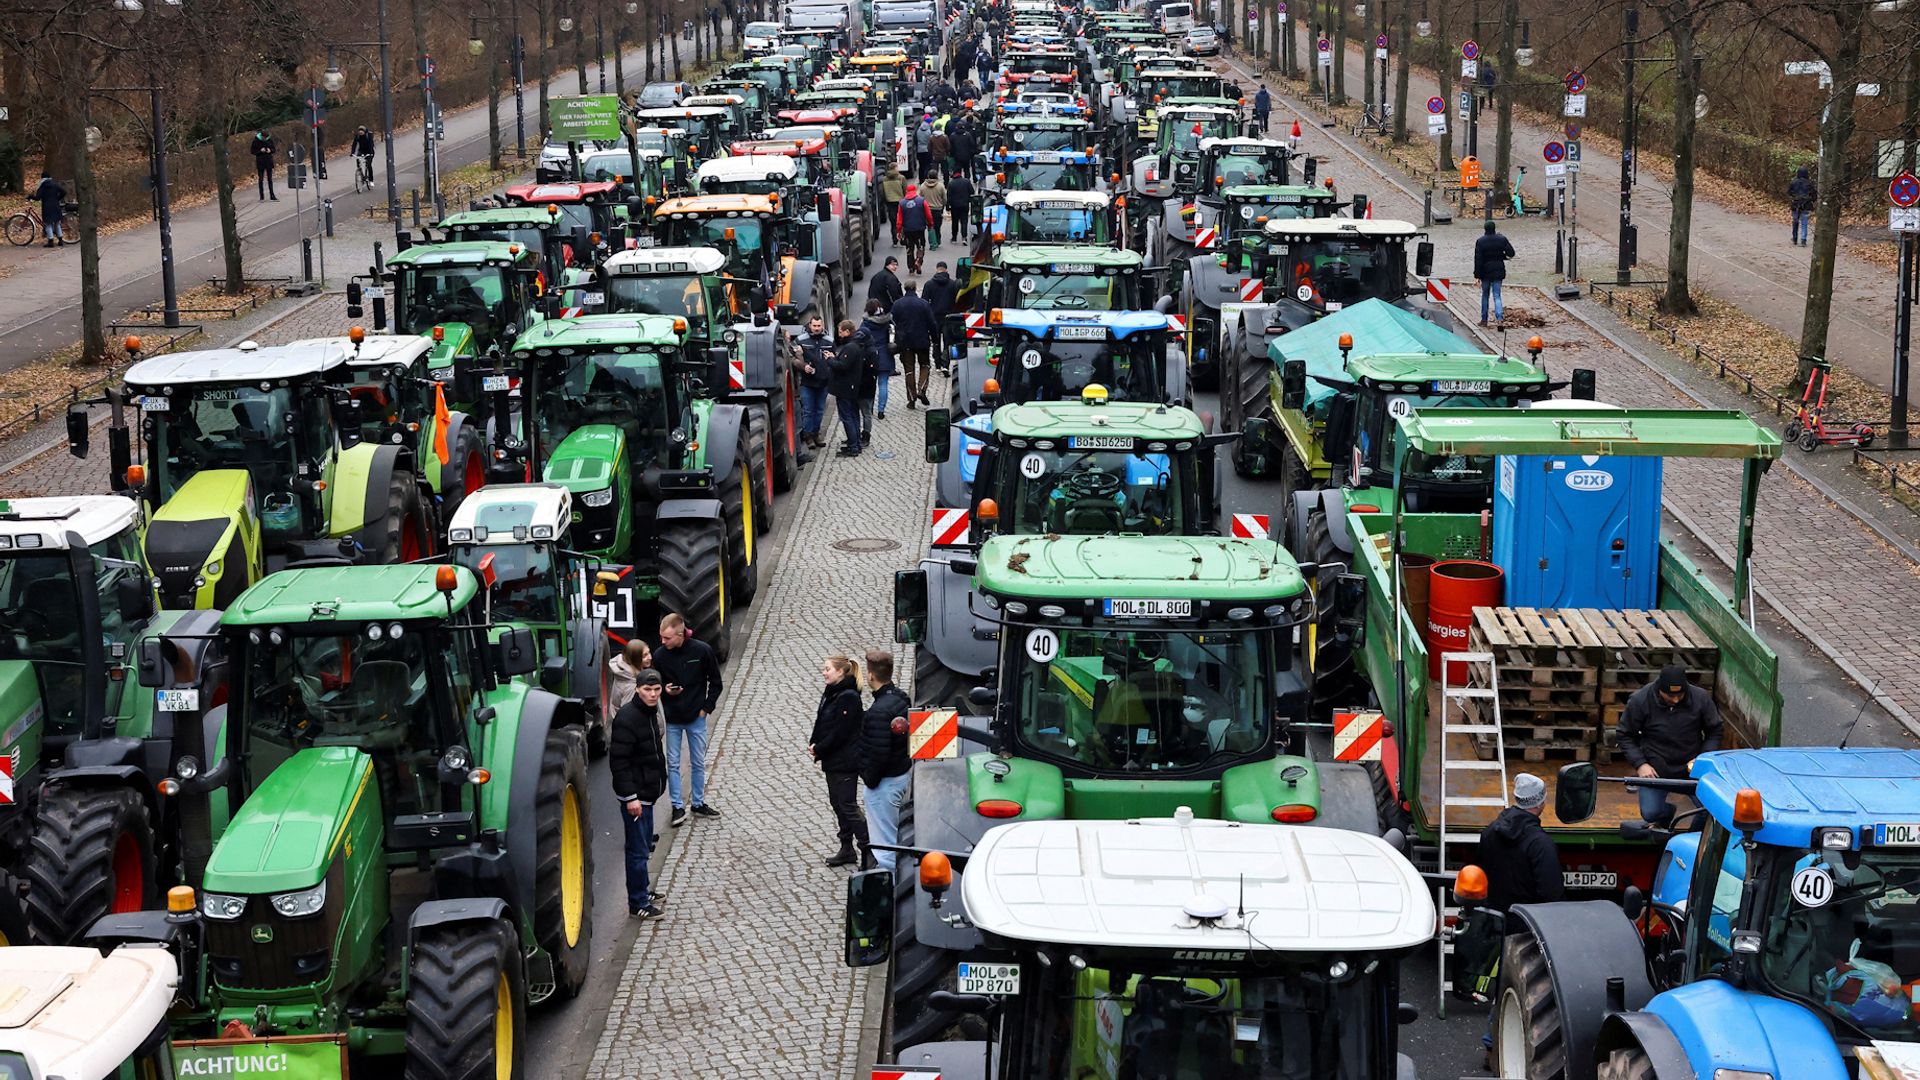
760	465
403	530
91	855
860	250
1528	1037
563	860
738	504
918	970
466	1004
693	579
1244	395
465	471
1627	1063
938	686
786	435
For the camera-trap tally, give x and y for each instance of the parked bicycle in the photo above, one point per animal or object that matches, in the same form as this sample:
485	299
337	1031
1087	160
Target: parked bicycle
1377	116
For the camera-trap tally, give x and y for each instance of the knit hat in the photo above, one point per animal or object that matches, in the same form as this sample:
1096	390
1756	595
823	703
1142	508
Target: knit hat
1529	791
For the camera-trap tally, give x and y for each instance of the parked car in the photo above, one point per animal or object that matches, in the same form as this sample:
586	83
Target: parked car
1203	41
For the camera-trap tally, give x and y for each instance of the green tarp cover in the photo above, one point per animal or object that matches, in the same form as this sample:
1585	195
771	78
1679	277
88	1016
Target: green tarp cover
1377	328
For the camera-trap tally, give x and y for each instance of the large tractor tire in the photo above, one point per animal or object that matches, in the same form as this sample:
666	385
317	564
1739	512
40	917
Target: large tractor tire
404	531
1294	478
465	471
693	579
563	860
859	250
760	462
937	685
1244	394
739	504
1627	1063
466	1004
1385	804
918	970
821	307
91	855
1527	1032
786	434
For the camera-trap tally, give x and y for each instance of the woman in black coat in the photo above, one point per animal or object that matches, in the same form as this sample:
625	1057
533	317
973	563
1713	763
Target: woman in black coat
835	744
637	760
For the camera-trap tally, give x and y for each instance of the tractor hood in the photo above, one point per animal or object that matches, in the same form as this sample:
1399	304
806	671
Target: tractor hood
196	528
584	461
456	339
283	837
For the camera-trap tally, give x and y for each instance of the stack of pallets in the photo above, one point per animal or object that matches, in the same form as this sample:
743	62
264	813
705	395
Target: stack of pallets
1639	644
1550	663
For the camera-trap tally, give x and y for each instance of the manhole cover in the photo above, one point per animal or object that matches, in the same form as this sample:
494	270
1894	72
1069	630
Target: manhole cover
866	545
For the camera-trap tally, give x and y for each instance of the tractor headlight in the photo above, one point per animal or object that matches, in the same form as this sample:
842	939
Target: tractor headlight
1835	839
456	759
187	767
296	905
1740	1074
460	536
597	499
222	907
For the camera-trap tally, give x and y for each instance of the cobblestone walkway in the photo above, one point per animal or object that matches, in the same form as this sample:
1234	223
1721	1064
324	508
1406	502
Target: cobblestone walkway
744	978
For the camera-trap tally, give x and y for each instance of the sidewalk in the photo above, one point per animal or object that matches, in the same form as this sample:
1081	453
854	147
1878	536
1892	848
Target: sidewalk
1739	254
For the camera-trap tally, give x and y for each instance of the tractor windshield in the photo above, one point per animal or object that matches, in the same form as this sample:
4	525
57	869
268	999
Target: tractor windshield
475	295
1048	369
1096	492
1232	170
1842	933
1059	223
525	589
623	390
1343	271
199	428
350	685
1112	698
1182	134
1051	176
657	294
1040	139
1041	290
1427	476
742	251
40	623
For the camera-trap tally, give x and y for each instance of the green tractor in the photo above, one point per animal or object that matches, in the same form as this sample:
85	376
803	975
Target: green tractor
664	479
402	862
470	297
514	537
244	470
82	825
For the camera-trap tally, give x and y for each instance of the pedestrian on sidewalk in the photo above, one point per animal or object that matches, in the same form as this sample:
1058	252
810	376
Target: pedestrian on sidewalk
1262	108
848	363
263	149
692	674
878	330
835	744
816	356
1293	138
1667	723
621	671
53	209
912	217
686	29
915	325
1490	255
939	292
1802	193
893	188
935	193
884	285
940	147
885	765
922	145
636	760
960	203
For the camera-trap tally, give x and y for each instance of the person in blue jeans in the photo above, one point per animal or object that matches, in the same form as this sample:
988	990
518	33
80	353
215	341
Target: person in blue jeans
1802	193
1666	724
816	355
885	765
691	673
636	760
1490	255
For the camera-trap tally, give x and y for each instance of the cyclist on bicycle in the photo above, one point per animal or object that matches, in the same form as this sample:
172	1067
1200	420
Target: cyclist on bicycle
363	154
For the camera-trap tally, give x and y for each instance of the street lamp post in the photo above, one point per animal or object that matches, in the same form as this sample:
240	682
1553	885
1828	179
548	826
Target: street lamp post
600	47
516	59
169	292
335	80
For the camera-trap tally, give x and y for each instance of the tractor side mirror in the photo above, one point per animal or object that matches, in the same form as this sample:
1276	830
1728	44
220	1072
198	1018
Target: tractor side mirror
1307	170
636	210
983	698
939	439
869	918
823	206
1575	792
809	241
152	668
718	372
1423	259
909	606
1350	601
1584	384
679	173
354	307
79	427
133	594
119	456
515	654
1234	258
553	675
1293	385
1255	438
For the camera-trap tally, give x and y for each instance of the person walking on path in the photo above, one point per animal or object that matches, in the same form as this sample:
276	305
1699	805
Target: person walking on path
913	217
816	354
1490	255
915	325
878	330
53	209
692	674
1519	858
636	760
939	292
1802	192
1667	723
1293	138
1262	107
835	744
622	669
845	368
935	192
885	765
893	188
263	150
884	285
960	202
941	149
922	145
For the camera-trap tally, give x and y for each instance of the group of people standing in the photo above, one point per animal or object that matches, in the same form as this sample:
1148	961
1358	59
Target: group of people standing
861	745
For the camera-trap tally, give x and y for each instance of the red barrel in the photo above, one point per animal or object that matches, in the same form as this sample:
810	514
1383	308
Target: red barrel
1456	587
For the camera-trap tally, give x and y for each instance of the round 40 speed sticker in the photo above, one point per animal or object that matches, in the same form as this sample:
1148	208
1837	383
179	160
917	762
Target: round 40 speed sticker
1030	359
1033	466
1399	407
1028	284
1812	885
1042	645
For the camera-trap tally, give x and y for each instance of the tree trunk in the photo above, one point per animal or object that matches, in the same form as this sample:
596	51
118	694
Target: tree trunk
494	59
1339	51
580	47
649	35
1910	119
545	69
1507	75
1678	300
673	36
93	340
1404	59
1367	34
1313	64
417	20
223	188
619	61
1445	70
1836	128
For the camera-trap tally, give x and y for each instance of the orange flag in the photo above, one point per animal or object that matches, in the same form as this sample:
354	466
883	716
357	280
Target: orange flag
441	417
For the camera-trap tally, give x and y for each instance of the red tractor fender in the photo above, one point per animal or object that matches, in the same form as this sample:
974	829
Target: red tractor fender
863	162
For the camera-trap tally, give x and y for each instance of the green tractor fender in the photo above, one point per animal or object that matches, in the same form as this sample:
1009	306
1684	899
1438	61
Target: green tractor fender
515	743
475	910
719	438
456	341
587	659
361	481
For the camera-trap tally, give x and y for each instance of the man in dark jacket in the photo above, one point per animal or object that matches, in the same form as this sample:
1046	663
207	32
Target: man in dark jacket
1802	192
1490	255
877	377
53	208
835	744
915	325
960	200
884	285
940	292
816	353
1521	864
692	675
913	218
1667	723
263	149
885	766
636	759
851	358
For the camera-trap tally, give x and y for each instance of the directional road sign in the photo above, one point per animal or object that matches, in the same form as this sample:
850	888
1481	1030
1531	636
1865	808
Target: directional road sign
1470	50
1905	190
1436	105
1576	81
1554	153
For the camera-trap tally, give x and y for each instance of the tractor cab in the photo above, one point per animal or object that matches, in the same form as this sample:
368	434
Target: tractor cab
1066	277
774	79
747	230
616	167
1065	134
581	207
734	123
707	127
541	229
1059	355
1041	171
1245	210
1239	161
1039	68
1052	217
1176	168
470	298
76	1014
1312	267
681	282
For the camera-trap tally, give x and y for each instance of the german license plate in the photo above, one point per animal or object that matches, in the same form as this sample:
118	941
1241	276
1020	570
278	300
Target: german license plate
1080	333
1073	268
997	979
1897	834
1099	442
1461	386
187	700
1148	609
1590	879
495	383
154	403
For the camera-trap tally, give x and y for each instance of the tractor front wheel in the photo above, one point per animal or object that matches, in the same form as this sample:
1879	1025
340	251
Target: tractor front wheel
1528	1038
935	685
760	466
563	860
91	855
738	504
693	579
403	531
1627	1063
786	434
466	1004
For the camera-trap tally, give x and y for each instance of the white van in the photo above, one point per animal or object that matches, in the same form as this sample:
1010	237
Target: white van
1176	19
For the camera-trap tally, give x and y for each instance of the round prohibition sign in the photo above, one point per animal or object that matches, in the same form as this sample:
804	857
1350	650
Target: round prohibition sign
1905	190
1576	81
1554	152
1470	50
1436	106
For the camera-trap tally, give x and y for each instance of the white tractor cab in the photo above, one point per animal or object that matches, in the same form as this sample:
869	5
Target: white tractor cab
69	1013
1167	947
748	174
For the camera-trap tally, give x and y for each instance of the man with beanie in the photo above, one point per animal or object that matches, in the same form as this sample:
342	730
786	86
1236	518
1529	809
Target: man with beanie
1667	723
912	217
636	759
1519	858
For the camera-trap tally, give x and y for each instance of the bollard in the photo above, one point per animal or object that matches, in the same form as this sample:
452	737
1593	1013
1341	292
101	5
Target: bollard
1426	211
1573	258
306	258
414	195
327	213
379	260
439	206
1559	252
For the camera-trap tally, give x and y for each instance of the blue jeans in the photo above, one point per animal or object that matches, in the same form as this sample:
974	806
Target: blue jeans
1800	218
1492	289
1654	806
883	815
849	419
880	391
696	736
813	408
639	835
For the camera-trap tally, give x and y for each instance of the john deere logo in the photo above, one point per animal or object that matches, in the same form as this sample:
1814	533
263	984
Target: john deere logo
262	935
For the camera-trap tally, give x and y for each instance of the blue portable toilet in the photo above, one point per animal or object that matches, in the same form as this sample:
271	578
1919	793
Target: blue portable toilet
1578	531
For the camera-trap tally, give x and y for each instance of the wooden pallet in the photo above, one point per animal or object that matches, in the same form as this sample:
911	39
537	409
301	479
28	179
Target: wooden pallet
1641	641
1555	642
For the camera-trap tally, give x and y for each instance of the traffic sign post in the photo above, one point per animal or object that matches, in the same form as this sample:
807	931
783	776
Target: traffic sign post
1576	82
1437	106
1554	153
1380	47
1904	217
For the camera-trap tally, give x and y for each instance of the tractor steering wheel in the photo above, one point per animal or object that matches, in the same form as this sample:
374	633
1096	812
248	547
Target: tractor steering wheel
1091	484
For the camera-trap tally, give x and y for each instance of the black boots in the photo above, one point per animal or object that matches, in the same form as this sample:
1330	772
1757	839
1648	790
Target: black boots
867	861
843	857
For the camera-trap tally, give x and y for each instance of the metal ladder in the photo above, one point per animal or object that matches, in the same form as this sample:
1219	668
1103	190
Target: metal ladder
1453	703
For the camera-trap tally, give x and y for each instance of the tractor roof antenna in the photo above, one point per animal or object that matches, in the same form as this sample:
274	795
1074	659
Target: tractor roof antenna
1243	897
1855	722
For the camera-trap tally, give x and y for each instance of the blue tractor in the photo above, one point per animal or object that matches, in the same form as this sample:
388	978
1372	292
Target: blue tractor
1782	938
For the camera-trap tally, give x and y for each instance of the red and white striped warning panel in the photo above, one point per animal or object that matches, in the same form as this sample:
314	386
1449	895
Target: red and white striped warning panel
6	778
1205	238
1252	290
949	526
1177	323
897	1072
1251	526
1357	736
737	374
1438	289
976	324
572	312
933	733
